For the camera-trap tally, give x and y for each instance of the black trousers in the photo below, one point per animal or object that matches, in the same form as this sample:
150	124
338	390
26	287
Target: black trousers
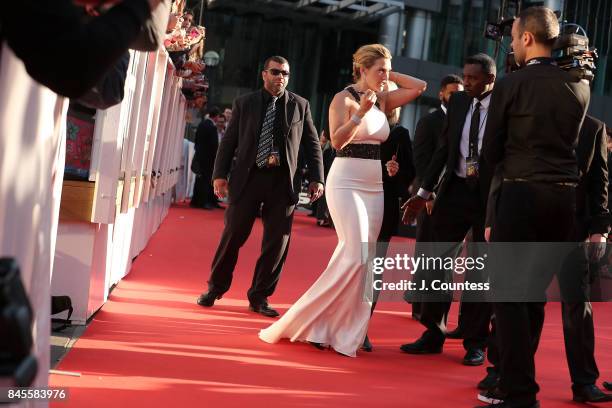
527	212
424	234
457	211
388	229
203	191
267	187
578	329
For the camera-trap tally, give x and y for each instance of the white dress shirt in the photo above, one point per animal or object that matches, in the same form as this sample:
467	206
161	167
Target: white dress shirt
464	145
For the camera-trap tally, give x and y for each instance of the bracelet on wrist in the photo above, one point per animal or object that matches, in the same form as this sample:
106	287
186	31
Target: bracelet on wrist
356	119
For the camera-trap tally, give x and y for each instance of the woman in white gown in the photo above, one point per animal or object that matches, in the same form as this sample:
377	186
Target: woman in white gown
335	311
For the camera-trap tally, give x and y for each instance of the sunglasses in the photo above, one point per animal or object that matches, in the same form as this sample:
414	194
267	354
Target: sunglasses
277	72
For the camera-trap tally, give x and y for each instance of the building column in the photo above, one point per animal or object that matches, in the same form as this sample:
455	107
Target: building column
388	32
554	5
418	33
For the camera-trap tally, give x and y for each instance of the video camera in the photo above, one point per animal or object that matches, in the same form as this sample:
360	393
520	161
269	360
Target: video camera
18	366
572	54
571	50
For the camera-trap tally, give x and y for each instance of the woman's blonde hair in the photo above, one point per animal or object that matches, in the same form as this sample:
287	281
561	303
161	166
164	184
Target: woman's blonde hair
366	56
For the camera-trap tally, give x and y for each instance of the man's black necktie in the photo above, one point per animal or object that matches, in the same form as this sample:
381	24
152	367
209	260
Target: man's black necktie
266	138
474	130
472	181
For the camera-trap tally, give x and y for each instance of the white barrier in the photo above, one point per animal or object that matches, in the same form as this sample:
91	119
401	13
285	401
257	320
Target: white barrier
137	151
32	137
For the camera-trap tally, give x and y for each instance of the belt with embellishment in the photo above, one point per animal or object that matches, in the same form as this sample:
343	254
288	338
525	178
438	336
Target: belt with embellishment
360	151
522	180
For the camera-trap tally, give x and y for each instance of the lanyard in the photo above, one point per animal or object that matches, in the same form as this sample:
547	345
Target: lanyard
541	61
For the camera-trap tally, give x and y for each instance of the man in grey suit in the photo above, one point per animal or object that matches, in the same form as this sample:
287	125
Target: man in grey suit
267	129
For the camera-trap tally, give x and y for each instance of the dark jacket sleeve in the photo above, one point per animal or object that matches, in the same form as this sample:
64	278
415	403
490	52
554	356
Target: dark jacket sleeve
228	145
440	156
494	193
406	171
110	90
312	148
494	140
424	145
60	51
152	32
597	185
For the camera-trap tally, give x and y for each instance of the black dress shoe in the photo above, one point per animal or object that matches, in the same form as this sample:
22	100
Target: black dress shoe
474	357
421	346
491	381
589	393
320	346
494	396
207	299
263	309
510	405
455	334
367	346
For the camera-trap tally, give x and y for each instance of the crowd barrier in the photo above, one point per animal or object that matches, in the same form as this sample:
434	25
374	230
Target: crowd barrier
32	129
137	159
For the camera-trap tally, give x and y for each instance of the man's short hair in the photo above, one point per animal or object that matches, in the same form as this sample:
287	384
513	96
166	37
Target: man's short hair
541	22
487	63
214	112
450	79
275	58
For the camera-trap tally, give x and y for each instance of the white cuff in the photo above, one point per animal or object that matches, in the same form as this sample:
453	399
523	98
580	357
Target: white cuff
424	194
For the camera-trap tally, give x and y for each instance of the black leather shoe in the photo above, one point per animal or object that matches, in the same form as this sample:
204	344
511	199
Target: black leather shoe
207	299
494	396
367	346
474	357
320	346
589	393
491	381
263	309
510	405
421	346
455	334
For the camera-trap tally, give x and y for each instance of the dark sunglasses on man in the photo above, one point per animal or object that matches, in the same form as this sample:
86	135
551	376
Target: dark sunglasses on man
277	72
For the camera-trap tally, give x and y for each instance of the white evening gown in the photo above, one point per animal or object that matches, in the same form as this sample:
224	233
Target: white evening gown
334	311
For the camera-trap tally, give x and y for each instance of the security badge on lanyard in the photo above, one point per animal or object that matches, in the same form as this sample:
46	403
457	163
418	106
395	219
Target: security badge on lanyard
273	159
471	167
471	162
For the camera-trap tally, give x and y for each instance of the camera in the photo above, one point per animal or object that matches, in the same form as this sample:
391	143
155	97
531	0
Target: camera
572	54
18	366
496	31
571	50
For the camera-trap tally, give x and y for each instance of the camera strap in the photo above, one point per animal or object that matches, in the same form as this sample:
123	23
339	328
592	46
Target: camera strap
541	61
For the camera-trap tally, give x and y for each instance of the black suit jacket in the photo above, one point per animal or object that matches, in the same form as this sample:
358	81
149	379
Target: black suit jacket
534	119
447	153
206	144
592	214
398	144
242	136
426	137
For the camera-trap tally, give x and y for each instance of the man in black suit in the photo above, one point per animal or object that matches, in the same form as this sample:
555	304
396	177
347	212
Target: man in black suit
267	129
535	118
459	206
206	144
426	139
592	225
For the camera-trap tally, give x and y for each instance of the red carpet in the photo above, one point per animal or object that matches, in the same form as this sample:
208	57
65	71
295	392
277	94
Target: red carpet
152	346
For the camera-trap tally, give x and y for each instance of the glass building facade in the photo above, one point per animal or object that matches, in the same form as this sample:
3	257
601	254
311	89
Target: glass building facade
429	39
